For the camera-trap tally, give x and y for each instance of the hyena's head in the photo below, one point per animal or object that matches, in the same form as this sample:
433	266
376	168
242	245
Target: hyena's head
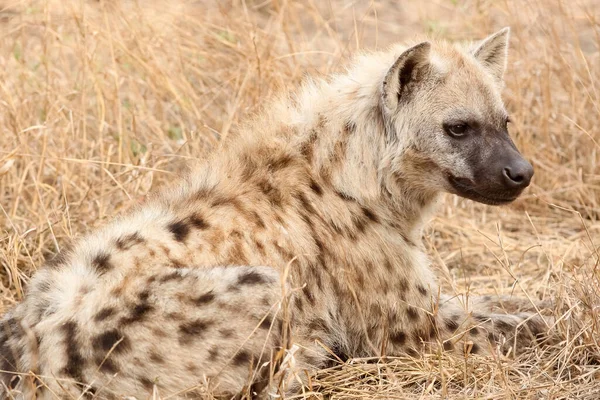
446	122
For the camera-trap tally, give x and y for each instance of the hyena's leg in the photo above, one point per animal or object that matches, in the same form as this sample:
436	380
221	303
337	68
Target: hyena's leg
485	323
315	343
298	366
212	329
506	304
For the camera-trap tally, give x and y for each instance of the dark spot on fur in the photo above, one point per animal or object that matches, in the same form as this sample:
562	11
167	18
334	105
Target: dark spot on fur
128	241
403	285
172	276
422	290
474	331
360	279
236	234
281	162
388	265
271	192
102	263
306	148
448	345
147	383
298	303
481	318
266	322
370	215
412	313
451	323
159	332
316	188
107	365
306	206
251	278
204	299
138	313
75	361
156	358
349	127
360	224
193	330
180	230
221	201
103	314
398	338
242	357
105	342
260	247
143	295
475	349
199	223
266	301
257	219
192	369
339	352
213	353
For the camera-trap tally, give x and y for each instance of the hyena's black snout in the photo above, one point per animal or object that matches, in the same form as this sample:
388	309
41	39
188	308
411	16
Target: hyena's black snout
500	176
517	173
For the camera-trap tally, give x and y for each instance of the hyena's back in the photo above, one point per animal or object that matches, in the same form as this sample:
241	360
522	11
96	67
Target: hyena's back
181	329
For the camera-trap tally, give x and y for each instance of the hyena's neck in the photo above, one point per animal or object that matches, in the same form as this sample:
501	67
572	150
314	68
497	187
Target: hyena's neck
339	129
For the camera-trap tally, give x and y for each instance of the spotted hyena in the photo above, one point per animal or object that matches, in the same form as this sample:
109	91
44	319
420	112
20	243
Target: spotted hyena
296	246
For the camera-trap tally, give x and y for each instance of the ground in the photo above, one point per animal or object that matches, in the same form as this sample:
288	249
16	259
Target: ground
103	101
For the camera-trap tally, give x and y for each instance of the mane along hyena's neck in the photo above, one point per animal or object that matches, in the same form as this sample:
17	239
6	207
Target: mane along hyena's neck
337	127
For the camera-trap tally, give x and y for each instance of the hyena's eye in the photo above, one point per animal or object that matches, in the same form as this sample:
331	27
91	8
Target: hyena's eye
456	130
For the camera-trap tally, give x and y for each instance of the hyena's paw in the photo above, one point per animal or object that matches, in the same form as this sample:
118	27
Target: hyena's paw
486	333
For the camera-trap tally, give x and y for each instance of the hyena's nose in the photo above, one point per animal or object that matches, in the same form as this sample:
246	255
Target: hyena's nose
518	174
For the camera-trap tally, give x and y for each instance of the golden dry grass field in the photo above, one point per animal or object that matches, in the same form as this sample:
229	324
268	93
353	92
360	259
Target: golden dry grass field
104	101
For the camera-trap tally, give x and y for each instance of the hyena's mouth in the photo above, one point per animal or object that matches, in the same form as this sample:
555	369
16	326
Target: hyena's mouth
466	188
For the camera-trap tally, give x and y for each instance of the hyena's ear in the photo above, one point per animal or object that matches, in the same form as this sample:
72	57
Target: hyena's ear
404	73
492	51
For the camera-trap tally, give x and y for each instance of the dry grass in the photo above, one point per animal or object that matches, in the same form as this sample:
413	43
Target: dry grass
102	101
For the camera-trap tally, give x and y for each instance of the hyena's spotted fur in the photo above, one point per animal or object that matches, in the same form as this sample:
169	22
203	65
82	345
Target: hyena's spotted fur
296	245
